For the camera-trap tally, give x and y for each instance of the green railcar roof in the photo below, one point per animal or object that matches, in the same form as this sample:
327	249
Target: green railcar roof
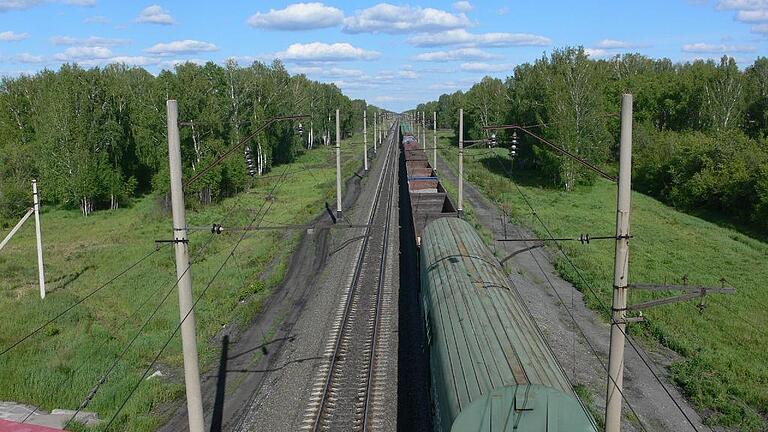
481	334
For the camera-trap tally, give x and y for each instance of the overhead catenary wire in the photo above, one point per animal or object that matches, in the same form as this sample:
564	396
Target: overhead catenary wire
200	296
600	301
77	303
199	253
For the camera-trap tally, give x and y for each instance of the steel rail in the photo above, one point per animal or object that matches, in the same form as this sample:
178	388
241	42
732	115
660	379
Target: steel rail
355	282
379	295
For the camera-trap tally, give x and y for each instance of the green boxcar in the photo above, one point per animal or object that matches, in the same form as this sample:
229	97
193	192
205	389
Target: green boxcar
491	368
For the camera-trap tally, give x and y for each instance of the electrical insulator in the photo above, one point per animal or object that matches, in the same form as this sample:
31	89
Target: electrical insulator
514	139
493	141
217	229
300	130
250	162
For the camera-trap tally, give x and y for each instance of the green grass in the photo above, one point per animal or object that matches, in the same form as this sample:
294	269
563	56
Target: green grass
57	367
724	365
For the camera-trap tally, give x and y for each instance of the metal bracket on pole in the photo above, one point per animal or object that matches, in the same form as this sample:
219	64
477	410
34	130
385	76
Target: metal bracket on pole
691	292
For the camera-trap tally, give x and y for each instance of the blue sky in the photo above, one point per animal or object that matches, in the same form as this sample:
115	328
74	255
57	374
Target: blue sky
392	54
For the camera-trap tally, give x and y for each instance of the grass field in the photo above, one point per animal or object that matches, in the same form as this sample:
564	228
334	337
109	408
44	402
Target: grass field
58	366
724	369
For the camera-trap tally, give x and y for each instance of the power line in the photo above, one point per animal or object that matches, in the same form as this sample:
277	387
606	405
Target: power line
122	354
600	301
583	334
210	283
77	303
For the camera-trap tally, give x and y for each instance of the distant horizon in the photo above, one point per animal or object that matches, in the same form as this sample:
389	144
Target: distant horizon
386	53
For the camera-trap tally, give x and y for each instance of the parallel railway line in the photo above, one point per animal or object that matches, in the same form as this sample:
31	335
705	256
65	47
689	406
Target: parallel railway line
343	396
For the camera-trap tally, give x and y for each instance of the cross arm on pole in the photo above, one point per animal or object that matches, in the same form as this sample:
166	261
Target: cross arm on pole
690	292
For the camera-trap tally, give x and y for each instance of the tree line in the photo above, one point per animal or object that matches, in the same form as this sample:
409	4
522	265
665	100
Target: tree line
700	128
95	138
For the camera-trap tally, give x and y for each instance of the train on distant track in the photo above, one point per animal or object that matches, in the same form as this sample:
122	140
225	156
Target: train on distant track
491	367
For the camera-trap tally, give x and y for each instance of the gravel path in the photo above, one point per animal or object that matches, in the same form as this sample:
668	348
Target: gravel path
543	289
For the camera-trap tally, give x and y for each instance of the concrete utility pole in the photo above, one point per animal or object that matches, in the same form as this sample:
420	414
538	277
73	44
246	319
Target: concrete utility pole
434	140
460	207
375	128
365	140
184	275
338	167
620	273
424	130
39	238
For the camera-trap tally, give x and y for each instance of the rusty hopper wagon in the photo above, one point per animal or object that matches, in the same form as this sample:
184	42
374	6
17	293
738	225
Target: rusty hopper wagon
492	370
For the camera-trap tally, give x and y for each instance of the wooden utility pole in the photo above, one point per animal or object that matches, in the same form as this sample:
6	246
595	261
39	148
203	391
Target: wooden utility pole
184	275
460	207
39	239
338	166
365	139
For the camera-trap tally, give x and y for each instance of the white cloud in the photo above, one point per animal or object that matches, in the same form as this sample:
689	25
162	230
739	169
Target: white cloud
9	36
83	53
747	11
408	74
742	4
319	51
6	5
332	72
98	19
170	64
388	18
155	15
187	46
597	53
750	16
503	11
486	67
28	58
79	2
760	28
462	37
463	6
454	55
616	44
92	41
298	16
716	48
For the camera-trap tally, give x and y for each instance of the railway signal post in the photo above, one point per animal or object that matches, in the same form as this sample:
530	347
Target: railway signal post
338	167
460	202
186	303
365	140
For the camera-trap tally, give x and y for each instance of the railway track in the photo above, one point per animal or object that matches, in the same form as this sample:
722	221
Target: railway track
346	393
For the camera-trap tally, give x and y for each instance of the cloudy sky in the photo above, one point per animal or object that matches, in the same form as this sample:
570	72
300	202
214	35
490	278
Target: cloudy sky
393	54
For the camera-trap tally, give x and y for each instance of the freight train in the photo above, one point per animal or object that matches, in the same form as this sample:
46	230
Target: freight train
491	369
